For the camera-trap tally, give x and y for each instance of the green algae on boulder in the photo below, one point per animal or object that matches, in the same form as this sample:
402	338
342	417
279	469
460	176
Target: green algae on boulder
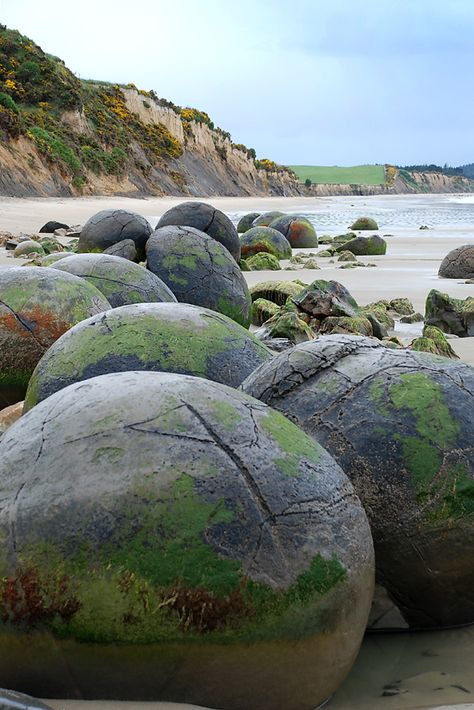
199	270
298	231
165	337
207	219
37	305
25	249
364	246
400	423
246	222
362	223
402	306
262	310
276	291
264	239
451	315
195	532
265	218
108	227
263	262
357	325
326	298
121	281
434	341
285	323
52	258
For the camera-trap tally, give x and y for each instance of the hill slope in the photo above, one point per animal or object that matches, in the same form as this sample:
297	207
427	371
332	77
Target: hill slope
63	136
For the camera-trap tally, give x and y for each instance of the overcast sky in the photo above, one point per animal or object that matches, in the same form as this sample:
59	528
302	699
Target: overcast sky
303	82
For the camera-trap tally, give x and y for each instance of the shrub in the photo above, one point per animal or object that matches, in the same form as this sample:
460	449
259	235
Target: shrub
29	71
308	182
53	147
7	102
10	122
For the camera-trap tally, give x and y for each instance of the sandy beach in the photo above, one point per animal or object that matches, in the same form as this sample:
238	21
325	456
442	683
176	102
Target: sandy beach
399	671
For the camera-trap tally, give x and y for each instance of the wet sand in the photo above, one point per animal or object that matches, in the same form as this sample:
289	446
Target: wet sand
399	671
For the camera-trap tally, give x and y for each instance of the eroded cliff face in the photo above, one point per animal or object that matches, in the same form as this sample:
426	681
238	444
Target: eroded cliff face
401	182
210	163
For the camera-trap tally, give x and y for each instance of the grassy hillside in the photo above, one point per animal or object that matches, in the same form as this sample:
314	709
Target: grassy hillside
335	175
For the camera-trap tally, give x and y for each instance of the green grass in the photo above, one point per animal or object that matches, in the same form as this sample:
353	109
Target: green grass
336	175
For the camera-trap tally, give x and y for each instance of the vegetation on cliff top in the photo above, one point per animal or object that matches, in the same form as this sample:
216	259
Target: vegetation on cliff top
38	92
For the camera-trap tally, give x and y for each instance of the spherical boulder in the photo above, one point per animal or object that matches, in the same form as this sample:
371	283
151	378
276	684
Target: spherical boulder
121	281
247	221
179	534
207	219
50	259
400	424
264	219
165	337
298	231
37	305
362	223
459	263
108	227
199	270
28	247
360	246
264	239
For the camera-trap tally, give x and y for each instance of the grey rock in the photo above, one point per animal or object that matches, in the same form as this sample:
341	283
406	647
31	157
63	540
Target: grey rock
51	227
459	263
126	249
109	227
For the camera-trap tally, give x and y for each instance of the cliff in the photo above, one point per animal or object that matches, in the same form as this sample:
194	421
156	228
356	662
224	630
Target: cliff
63	136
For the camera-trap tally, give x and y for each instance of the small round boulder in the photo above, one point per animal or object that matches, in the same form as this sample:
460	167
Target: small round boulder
207	219
165	337
264	239
400	424
459	263
298	231
37	305
246	222
199	270
121	281
362	223
108	227
179	535
28	247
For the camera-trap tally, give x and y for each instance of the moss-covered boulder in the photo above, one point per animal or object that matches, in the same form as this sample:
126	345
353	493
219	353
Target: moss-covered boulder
276	291
207	219
363	223
326	298
342	238
412	318
357	325
264	219
264	239
200	270
379	310
122	282
108	227
246	222
364	246
263	262
195	532
287	324
459	263
262	310
400	423
433	341
165	337
37	305
50	259
346	255
402	306
28	247
451	315
298	231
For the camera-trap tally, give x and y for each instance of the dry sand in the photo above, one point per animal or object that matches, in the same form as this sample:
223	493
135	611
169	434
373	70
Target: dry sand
394	671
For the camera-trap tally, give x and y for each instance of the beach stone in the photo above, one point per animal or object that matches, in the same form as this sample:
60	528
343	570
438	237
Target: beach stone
364	246
246	222
434	341
362	223
37	305
207	219
27	248
298	231
126	249
402	306
262	310
357	325
199	270
287	324
459	263
50	227
400	423
108	227
121	281
263	262
164	337
346	237
412	318
265	218
378	310
346	255
9	416
194	531
276	291
326	298
264	239
451	315
311	264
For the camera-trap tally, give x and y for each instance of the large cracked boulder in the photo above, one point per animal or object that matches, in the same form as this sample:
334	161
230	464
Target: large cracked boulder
207	219
109	227
121	281
264	239
165	337
37	305
195	532
451	315
298	230
459	263
199	270
365	246
400	424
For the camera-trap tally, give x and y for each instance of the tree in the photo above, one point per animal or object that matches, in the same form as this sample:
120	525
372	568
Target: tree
307	182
